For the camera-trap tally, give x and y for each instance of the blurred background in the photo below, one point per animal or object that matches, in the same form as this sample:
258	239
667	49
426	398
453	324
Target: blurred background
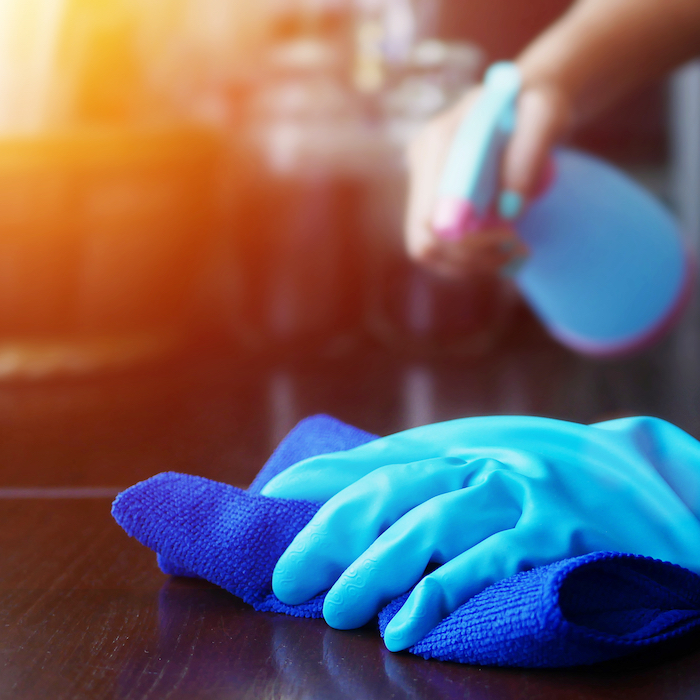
175	174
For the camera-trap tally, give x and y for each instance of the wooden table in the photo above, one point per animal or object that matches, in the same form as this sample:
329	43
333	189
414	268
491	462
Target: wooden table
84	610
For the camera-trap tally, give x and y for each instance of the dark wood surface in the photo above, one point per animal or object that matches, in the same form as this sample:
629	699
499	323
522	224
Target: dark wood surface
84	610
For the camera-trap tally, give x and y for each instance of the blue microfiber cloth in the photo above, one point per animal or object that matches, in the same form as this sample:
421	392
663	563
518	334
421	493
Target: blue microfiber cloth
584	610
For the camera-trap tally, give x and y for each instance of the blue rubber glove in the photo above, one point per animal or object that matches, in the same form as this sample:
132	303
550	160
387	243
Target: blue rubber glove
482	498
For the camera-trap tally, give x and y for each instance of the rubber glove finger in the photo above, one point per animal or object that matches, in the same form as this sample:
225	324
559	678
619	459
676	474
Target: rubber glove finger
436	531
352	520
320	478
440	593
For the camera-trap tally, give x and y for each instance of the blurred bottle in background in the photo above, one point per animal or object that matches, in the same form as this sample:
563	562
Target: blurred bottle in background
105	189
297	232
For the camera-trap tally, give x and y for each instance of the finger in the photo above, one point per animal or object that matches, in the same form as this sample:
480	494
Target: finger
351	521
426	159
320	478
435	531
542	119
443	591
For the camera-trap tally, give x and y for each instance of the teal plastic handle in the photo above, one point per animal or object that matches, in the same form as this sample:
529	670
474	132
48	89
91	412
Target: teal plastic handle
472	169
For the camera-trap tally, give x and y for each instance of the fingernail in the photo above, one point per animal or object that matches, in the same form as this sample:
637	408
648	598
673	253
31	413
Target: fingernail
511	268
510	204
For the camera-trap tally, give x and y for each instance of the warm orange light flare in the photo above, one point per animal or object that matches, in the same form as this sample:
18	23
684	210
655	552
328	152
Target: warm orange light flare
106	186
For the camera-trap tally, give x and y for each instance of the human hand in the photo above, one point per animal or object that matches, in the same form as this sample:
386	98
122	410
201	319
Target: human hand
543	115
483	498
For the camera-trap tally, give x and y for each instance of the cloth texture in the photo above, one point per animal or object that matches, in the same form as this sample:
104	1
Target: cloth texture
584	610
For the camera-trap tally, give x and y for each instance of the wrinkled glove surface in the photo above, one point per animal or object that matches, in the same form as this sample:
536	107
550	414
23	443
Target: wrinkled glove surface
578	611
484	498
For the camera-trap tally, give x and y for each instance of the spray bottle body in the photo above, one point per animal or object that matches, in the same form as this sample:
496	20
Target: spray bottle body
608	270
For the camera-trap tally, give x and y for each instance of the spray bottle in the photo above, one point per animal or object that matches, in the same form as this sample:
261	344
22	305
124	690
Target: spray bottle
608	271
